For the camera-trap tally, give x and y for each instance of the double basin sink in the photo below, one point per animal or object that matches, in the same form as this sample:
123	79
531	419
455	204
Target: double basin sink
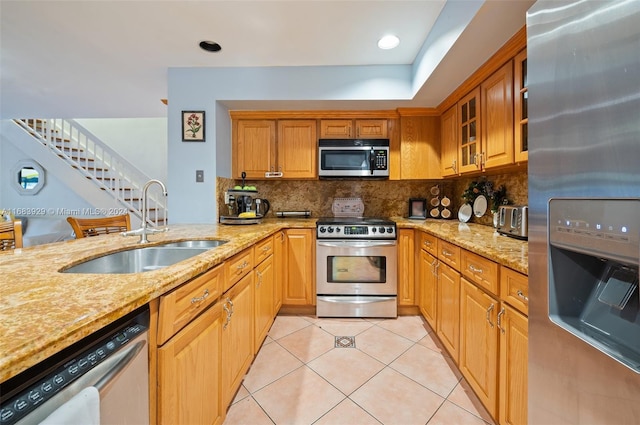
145	259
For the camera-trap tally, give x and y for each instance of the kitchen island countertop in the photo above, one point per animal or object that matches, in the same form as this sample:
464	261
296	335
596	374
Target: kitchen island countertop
43	311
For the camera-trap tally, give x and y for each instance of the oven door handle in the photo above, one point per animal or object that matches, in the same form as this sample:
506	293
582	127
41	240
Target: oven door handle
350	300
356	244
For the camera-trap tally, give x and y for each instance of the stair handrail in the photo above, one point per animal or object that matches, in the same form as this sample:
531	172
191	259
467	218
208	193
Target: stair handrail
103	164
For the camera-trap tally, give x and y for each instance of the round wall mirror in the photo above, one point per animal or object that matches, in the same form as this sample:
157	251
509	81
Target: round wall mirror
27	177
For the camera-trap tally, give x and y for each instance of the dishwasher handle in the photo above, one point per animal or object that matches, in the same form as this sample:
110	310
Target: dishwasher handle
117	369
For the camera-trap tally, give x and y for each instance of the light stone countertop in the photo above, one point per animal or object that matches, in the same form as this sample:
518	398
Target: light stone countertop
43	311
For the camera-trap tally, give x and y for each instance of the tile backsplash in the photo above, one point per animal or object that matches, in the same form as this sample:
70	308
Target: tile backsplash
381	198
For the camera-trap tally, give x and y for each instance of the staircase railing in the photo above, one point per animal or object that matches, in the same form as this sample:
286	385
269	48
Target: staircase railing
99	163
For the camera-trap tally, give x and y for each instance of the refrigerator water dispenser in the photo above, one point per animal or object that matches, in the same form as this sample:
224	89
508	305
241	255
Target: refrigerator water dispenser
594	251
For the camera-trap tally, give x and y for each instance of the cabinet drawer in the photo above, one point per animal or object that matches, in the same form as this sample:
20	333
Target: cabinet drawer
180	306
238	266
429	243
449	254
514	289
479	270
263	249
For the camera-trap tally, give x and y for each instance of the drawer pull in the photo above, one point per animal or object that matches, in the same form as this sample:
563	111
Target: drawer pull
447	253
434	267
242	266
522	295
202	298
259	279
231	304
427	243
224	306
489	310
266	248
502	312
475	269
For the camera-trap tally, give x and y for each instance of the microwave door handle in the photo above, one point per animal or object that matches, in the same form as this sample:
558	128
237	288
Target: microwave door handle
372	161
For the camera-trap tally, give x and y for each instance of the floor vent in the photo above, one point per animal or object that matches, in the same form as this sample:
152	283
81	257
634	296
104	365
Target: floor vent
345	342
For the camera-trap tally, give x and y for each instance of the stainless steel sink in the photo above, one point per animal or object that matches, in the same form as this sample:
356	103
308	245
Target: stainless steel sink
136	260
196	243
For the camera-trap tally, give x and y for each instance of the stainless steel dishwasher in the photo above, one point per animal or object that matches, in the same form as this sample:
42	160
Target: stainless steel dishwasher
102	379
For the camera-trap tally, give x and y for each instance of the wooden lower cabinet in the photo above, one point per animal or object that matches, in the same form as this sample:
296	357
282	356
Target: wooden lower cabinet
278	265
299	267
514	342
478	360
428	284
264	280
189	372
448	311
406	267
237	336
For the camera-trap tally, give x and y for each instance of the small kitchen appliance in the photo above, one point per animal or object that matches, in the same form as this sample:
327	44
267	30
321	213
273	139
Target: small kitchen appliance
513	221
356	264
366	158
244	207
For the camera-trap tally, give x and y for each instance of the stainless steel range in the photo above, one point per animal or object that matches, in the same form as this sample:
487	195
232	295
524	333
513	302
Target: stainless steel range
356	267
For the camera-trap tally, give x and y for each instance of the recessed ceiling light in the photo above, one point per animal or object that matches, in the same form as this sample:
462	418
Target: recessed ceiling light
210	46
388	42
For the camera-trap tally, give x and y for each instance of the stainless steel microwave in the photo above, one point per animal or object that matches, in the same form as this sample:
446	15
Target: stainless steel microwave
353	158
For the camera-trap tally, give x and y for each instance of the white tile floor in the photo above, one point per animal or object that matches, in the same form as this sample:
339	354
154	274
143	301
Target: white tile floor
397	374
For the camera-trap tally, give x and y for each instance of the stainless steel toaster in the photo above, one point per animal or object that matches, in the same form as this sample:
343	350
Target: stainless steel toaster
513	221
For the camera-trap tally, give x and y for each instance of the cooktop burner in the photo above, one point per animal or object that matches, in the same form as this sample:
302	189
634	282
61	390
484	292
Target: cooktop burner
355	228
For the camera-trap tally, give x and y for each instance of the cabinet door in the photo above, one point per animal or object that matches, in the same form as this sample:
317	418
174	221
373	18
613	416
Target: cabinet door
520	107
254	148
428	283
371	129
189	373
448	311
300	255
263	282
237	336
336	129
297	149
449	161
497	117
419	147
514	341
279	243
406	267
479	344
470	132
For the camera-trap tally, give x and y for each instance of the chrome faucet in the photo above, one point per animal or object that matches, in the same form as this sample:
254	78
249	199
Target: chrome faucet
143	231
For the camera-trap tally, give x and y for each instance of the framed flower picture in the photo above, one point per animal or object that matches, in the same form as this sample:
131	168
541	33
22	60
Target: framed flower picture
193	126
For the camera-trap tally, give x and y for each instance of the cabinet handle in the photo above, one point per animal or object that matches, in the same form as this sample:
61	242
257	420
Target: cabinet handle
522	295
434	267
427	243
475	269
281	236
259	279
231	304
202	298
502	312
266	248
226	323
446	253
454	166
242	266
489	310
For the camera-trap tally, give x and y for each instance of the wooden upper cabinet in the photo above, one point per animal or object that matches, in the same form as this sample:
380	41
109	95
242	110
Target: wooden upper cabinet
419	147
449	161
253	148
469	124
350	129
520	107
297	149
497	118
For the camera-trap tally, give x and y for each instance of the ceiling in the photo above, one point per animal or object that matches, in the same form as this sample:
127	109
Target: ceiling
91	55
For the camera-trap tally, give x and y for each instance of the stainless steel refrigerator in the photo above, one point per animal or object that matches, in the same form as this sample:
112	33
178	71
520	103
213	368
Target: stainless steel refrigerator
583	61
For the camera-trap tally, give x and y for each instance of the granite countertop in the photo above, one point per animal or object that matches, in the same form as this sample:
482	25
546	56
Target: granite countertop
43	311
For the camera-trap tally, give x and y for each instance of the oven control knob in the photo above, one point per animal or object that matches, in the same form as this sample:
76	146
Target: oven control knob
389	229
381	229
330	229
337	230
322	229
374	229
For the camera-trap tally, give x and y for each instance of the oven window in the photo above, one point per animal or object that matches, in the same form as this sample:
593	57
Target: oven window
356	269
344	160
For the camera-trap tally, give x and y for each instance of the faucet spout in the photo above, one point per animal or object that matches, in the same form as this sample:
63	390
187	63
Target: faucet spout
144	229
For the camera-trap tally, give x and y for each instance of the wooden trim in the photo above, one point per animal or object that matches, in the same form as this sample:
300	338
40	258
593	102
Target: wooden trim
510	49
418	112
242	114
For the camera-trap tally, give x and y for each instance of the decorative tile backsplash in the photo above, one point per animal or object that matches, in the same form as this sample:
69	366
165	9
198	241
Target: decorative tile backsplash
381	198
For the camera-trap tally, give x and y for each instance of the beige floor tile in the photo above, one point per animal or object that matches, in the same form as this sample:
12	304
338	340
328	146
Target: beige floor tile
347	413
299	398
392	398
285	325
410	327
344	327
346	368
428	368
241	394
308	343
431	342
271	363
450	414
464	397
247	412
382	344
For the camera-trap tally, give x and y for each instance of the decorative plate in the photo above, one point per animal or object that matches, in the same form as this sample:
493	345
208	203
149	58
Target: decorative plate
464	213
